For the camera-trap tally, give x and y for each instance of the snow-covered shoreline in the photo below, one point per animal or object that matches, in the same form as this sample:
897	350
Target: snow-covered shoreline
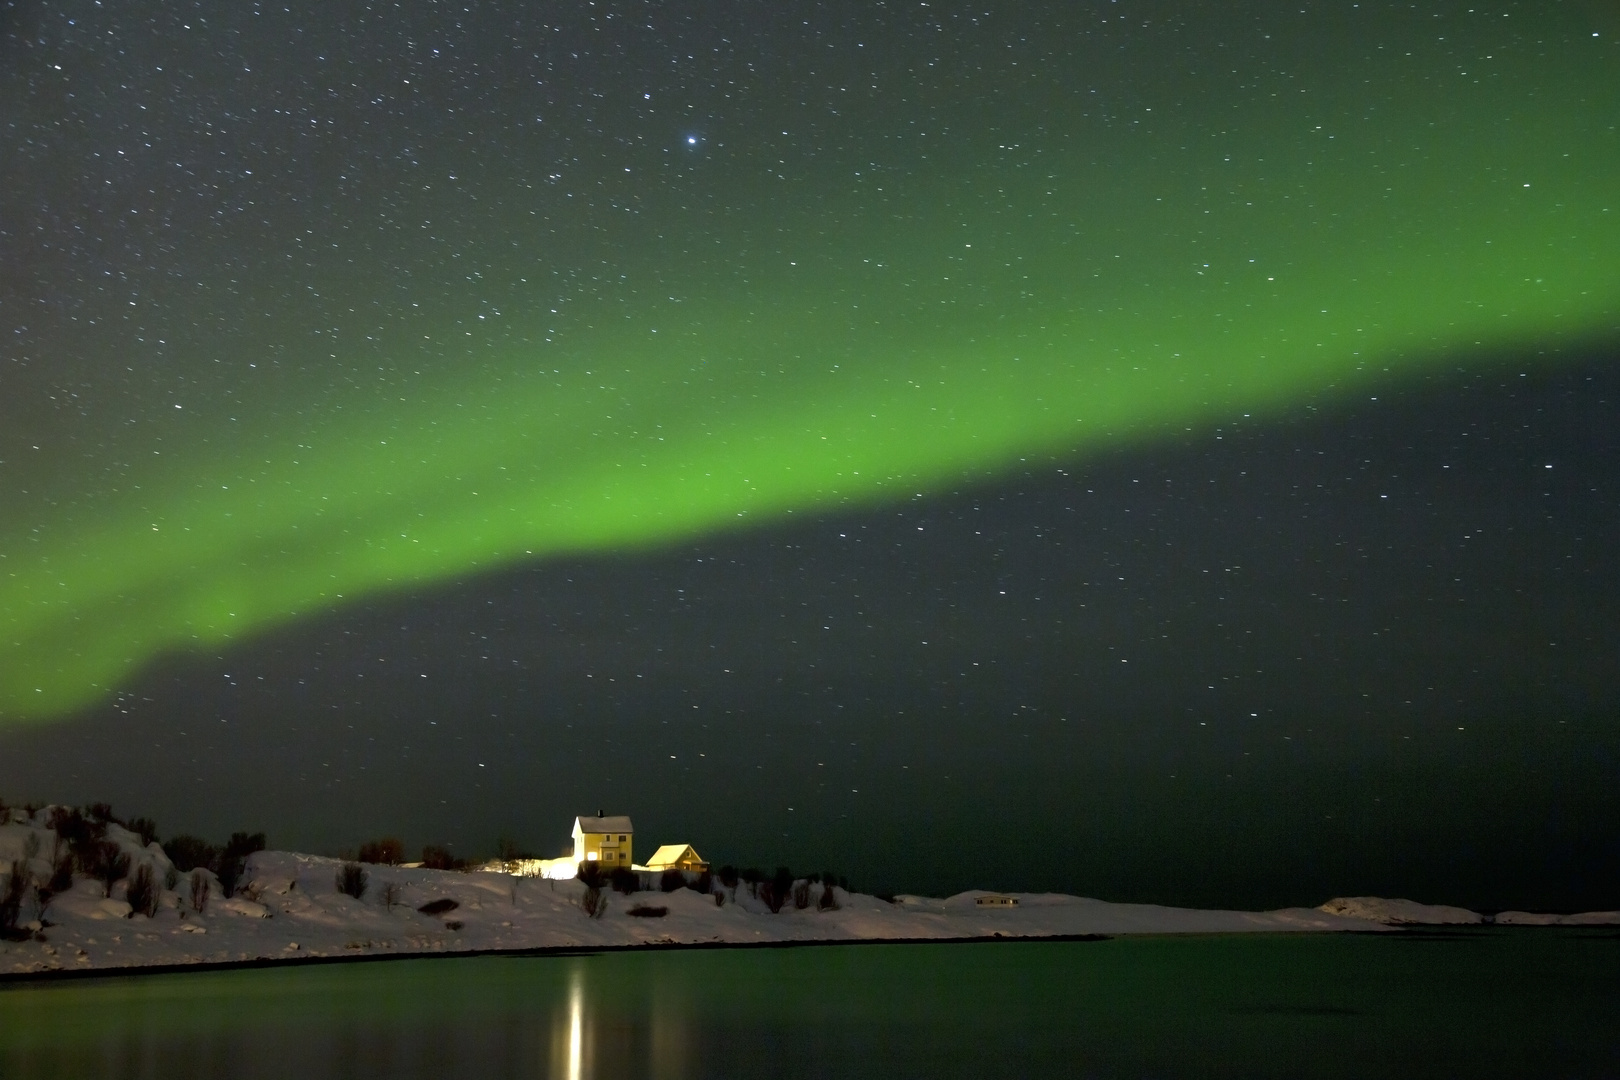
288	907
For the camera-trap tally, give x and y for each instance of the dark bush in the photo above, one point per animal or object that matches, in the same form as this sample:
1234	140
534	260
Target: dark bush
752	877
79	834
776	891
189	852
829	899
671	879
452	924
384	852
728	877
439	858
704	883
145	828
390	895
719	898
233	859
101	812
801	894
593	902
110	865
591	874
11	902
438	907
142	892
624	880
62	875
645	911
351	880
201	886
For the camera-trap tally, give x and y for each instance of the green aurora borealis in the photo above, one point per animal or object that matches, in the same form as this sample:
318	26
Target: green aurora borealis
817	343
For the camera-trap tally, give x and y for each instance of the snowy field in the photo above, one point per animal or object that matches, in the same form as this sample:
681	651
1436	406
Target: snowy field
288	906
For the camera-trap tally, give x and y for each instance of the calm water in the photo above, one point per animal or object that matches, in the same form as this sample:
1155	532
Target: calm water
1491	1003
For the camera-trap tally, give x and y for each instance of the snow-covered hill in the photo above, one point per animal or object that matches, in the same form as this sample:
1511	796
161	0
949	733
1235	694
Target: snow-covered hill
289	906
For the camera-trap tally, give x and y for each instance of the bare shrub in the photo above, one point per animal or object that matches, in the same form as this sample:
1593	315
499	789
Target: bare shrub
189	852
593	903
647	911
439	858
777	890
11	902
719	898
201	887
801	894
233	858
351	880
142	892
384	852
31	847
671	880
143	827
625	880
752	877
704	883
111	864
62	875
829	899
390	895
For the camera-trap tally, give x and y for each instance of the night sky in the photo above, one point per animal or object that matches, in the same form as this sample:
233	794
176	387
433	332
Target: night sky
1158	451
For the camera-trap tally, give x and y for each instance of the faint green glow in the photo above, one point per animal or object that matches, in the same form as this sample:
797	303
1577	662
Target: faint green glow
835	378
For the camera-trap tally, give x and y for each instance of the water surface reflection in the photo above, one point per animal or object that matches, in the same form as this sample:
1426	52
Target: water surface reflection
1251	1006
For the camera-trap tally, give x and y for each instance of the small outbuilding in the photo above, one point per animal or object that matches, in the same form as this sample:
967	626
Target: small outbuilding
996	900
677	857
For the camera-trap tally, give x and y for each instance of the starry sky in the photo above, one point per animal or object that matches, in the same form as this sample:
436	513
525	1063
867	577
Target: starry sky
1159	451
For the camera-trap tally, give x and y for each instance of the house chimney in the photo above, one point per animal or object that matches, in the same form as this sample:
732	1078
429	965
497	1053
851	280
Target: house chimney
601	813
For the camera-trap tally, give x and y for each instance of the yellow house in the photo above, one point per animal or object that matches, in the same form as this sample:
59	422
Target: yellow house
677	857
604	840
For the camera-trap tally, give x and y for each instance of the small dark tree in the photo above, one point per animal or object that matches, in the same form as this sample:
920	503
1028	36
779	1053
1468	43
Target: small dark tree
351	880
189	852
233	859
390	895
143	827
101	812
61	875
704	883
439	858
593	902
591	874
753	877
671	879
111	864
829	899
201	886
625	880
801	894
142	892
11	902
384	852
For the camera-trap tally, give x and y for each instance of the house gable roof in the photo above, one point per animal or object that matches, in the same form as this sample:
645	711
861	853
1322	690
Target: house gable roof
613	823
670	854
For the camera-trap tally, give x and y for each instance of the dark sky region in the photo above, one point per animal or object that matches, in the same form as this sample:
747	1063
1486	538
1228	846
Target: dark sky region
1156	451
